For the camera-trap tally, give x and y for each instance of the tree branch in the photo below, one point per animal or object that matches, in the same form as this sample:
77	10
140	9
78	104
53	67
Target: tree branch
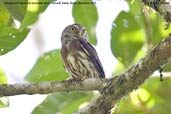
121	85
50	87
112	90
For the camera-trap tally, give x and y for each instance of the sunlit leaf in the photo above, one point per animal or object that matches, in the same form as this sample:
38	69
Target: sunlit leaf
5	16
26	11
4	101
48	67
10	38
153	97
3	78
156	25
167	67
127	38
135	7
142	96
33	11
152	21
63	103
86	14
119	68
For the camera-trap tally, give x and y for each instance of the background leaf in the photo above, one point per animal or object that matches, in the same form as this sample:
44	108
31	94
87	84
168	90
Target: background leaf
10	38
153	100
127	38
65	103
48	67
33	11
3	78
5	17
4	101
89	17
27	14
20	9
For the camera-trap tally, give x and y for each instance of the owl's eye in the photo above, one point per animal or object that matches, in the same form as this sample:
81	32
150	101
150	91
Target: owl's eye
83	32
72	28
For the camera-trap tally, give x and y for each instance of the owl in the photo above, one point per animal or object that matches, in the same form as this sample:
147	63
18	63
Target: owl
79	57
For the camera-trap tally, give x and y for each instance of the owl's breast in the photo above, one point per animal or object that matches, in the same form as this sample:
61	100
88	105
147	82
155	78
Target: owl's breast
80	66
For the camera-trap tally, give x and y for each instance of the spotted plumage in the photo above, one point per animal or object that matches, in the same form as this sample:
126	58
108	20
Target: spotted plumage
79	57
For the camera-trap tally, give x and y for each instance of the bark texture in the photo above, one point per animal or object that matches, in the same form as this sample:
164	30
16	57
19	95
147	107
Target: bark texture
119	86
112	90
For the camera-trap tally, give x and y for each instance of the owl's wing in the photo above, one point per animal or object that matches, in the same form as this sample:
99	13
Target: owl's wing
91	52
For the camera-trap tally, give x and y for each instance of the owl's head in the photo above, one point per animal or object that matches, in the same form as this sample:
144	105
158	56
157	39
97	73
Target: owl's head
72	32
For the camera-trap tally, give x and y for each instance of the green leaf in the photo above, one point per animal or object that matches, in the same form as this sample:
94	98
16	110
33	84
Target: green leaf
3	78
48	67
118	69
5	16
135	7
10	38
86	14
127	38
20	9
65	103
26	11
154	99
167	67
33	11
156	25
4	101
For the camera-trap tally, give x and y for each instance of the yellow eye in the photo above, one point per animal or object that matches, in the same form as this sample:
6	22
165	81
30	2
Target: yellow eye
72	28
83	32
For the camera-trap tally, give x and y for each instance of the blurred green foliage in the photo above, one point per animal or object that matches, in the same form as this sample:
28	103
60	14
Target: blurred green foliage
127	37
128	45
10	38
64	103
48	67
4	102
86	12
152	98
26	14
